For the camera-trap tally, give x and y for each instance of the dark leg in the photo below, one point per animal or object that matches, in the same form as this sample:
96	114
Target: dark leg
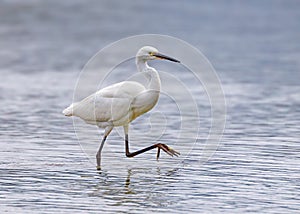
98	155
158	153
162	146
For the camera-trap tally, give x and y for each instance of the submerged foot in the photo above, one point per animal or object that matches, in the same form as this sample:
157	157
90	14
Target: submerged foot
98	160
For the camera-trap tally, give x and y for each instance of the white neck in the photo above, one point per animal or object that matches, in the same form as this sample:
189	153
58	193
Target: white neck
154	80
141	64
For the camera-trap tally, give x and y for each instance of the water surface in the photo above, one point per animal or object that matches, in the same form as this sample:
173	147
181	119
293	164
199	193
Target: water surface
255	49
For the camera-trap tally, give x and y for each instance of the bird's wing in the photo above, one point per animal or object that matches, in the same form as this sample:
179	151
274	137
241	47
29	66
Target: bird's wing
126	89
108	104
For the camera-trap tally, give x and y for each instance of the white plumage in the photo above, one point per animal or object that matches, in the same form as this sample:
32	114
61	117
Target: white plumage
108	106
120	103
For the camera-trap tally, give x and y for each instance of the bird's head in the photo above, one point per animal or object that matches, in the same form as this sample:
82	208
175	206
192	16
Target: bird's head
150	53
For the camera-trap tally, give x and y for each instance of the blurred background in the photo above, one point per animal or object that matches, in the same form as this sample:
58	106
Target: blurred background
254	47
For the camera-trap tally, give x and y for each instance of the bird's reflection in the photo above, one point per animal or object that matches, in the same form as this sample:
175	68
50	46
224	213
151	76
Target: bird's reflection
115	186
127	183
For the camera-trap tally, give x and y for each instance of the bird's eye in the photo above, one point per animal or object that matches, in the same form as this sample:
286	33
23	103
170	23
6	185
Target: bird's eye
150	53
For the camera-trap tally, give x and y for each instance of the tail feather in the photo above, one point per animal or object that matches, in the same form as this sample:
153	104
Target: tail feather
68	111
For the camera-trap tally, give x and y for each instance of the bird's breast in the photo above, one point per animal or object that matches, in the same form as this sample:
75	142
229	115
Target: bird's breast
143	103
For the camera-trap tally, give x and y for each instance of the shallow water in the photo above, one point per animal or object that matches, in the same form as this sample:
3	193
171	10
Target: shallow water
255	48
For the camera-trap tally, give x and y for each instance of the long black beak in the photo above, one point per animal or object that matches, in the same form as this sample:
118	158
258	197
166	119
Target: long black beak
161	56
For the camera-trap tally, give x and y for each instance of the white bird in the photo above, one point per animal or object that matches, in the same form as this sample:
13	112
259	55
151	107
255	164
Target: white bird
121	103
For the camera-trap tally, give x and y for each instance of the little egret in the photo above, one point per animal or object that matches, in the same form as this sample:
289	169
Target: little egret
121	103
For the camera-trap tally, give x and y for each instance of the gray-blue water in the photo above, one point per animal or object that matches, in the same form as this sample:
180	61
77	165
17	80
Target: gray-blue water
255	49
